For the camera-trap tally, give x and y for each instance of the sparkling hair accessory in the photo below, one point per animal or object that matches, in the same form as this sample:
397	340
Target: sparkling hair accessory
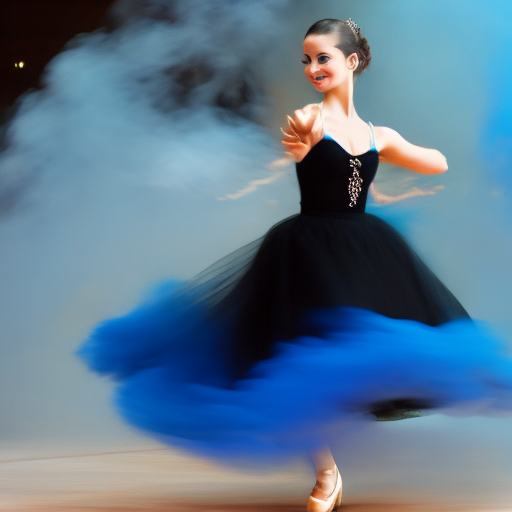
354	26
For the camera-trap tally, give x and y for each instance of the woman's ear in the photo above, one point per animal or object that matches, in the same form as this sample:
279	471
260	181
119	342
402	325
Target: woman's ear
353	61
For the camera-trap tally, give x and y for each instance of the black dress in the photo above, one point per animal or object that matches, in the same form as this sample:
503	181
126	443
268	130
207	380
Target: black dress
329	317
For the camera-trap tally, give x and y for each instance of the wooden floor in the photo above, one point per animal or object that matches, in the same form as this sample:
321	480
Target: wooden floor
160	480
177	507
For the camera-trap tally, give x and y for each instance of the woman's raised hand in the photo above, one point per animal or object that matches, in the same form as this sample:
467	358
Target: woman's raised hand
304	130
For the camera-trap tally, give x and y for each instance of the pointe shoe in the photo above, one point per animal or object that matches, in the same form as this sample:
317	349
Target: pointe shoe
332	503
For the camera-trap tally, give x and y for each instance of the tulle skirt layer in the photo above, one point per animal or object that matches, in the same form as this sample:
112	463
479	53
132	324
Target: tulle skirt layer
329	318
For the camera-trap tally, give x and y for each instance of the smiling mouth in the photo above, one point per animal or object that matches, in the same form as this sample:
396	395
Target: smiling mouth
319	78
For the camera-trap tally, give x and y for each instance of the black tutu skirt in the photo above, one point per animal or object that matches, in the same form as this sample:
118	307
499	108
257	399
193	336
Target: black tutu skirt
329	318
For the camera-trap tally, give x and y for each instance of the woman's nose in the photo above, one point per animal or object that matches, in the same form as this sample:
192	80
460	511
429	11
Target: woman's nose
314	68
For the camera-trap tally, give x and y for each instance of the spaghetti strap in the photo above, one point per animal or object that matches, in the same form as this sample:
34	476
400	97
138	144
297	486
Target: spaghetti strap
372	135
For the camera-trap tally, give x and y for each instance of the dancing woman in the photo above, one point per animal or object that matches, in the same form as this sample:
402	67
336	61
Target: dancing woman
335	53
329	316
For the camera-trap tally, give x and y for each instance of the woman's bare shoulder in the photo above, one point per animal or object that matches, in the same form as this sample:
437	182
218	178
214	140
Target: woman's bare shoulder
385	137
384	132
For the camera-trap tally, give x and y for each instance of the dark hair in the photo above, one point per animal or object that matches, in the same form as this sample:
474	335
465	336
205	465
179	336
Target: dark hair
349	43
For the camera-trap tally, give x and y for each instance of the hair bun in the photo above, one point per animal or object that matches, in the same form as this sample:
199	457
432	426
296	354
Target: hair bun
363	52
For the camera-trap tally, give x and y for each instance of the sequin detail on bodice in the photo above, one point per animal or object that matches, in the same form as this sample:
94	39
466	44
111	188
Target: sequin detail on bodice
324	176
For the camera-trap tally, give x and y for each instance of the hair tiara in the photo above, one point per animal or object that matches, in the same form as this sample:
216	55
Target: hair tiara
354	26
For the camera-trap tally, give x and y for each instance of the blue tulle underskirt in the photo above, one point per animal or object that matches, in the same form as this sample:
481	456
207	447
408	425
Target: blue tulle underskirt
171	361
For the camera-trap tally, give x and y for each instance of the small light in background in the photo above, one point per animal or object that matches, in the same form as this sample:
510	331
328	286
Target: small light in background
19	64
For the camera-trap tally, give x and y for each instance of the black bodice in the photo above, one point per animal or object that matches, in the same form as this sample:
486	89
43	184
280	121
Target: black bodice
324	173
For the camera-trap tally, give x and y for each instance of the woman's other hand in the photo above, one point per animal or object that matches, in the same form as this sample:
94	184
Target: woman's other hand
304	130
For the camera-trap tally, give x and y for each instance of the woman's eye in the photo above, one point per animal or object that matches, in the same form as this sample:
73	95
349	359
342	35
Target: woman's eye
321	60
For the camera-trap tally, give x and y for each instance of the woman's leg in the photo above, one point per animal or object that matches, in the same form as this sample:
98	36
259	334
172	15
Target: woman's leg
325	473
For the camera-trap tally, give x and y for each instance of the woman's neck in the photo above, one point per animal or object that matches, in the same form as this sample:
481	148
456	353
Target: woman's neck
339	103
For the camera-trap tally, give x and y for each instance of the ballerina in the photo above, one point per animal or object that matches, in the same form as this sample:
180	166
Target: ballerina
335	53
329	316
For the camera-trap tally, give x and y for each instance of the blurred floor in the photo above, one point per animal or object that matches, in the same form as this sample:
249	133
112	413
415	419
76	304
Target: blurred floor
157	479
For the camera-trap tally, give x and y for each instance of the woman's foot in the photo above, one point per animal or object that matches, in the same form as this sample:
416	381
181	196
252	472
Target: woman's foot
326	495
325	483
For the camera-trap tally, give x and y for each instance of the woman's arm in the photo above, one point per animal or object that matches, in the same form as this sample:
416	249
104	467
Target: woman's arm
397	151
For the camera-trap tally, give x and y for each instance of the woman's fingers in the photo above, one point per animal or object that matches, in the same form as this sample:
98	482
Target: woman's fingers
293	126
293	145
300	135
301	123
288	134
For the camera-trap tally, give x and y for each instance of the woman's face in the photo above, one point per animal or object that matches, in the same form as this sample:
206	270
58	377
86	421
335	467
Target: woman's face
323	59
